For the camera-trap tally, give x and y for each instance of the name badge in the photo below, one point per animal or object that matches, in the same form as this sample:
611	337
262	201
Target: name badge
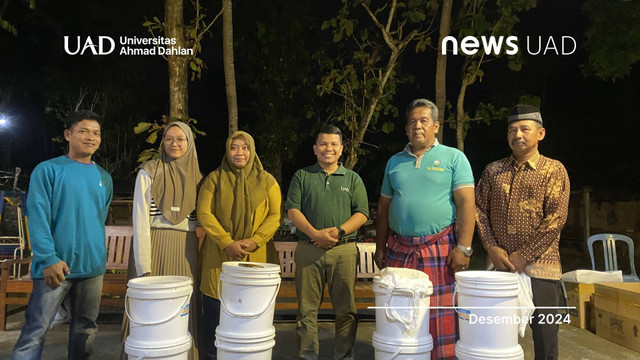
175	208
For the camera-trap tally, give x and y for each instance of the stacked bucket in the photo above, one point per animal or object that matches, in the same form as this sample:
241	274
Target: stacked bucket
248	294
402	314
158	311
487	295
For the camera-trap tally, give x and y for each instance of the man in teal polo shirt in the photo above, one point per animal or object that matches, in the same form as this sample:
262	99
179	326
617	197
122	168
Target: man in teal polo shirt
327	203
426	217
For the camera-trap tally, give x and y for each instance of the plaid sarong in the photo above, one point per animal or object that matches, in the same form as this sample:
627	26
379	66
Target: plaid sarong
429	254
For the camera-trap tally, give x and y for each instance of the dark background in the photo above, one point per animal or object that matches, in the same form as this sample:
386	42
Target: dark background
592	125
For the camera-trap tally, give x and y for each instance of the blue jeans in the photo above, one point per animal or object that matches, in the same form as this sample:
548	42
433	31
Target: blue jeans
44	303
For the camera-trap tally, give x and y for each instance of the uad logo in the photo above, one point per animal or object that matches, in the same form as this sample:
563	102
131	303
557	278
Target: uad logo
97	48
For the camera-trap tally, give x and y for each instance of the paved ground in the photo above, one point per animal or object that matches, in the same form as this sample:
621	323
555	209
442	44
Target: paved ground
575	344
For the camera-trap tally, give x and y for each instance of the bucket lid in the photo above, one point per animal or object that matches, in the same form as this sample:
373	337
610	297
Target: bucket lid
250	267
512	353
488	277
391	277
157	348
383	340
159	282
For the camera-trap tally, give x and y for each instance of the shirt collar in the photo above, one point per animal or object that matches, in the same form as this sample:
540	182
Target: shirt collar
532	162
341	169
409	147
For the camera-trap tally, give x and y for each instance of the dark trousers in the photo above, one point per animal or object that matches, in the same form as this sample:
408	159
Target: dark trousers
211	317
545	332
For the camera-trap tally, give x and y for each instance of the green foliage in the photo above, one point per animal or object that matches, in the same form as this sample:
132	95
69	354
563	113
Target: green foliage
361	71
612	39
274	52
194	32
5	24
530	100
480	18
423	43
487	112
117	150
388	127
155	131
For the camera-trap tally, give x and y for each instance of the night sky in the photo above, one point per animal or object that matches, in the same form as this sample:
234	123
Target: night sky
592	125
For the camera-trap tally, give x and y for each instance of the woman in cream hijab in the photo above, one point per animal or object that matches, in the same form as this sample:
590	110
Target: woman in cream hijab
164	221
239	209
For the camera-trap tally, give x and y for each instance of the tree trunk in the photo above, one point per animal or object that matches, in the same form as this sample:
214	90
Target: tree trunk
352	158
178	71
461	116
276	165
441	65
229	67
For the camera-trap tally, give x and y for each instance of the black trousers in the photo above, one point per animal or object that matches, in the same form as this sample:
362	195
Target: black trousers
211	318
543	327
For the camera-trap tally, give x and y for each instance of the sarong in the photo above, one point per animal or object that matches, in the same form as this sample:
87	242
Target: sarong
429	254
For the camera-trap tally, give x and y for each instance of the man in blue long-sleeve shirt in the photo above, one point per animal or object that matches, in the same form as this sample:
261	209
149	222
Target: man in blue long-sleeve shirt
68	202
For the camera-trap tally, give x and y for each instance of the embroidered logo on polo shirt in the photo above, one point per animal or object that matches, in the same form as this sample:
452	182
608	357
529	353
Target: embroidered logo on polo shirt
100	183
344	188
435	167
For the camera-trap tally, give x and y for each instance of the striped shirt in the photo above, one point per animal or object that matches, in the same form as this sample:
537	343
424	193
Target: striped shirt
146	216
154	213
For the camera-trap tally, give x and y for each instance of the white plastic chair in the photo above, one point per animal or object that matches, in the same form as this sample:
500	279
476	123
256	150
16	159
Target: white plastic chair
610	256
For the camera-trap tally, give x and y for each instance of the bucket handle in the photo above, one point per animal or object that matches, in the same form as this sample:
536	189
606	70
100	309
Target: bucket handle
454	300
247	315
126	310
396	353
409	323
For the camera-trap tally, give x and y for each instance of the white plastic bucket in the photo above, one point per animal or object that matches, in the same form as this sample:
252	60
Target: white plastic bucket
495	326
397	349
402	298
173	350
469	353
248	293
257	346
158	308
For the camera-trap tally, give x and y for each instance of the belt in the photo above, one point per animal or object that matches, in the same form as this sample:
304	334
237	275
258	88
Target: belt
340	242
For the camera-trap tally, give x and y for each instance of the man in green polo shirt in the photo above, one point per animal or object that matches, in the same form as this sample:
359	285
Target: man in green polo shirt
327	203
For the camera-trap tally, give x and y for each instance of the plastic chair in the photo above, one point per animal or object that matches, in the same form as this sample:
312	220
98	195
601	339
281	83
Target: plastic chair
610	256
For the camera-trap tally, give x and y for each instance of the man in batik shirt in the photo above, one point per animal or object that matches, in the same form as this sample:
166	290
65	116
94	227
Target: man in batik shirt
426	217
521	207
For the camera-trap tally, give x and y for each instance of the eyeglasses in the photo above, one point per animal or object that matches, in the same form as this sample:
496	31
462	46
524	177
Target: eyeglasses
170	141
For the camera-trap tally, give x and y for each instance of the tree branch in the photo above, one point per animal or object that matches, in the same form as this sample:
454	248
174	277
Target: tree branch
385	33
392	13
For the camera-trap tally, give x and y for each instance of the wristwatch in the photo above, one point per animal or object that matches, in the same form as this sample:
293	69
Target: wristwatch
341	232
465	250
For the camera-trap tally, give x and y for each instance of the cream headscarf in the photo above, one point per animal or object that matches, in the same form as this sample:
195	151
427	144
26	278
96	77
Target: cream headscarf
240	191
175	181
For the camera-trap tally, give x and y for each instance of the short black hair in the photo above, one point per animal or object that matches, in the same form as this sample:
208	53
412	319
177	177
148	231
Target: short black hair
329	129
77	116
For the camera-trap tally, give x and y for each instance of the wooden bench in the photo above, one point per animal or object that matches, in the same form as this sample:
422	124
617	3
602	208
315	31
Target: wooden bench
366	270
16	291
